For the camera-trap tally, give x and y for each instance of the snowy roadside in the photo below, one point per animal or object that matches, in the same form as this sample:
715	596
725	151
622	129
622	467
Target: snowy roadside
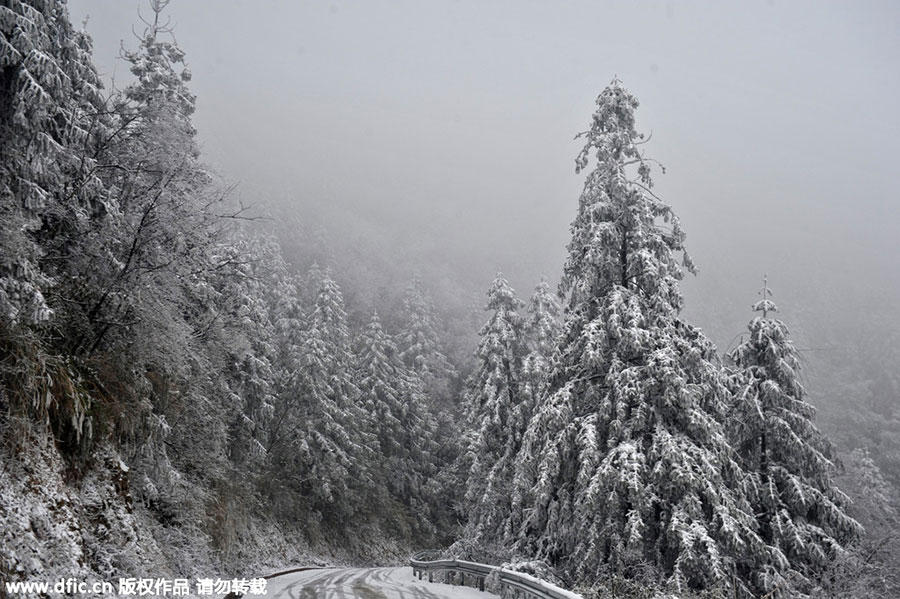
366	583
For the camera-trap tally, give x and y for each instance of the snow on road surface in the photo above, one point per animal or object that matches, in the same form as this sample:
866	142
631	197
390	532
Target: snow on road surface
365	583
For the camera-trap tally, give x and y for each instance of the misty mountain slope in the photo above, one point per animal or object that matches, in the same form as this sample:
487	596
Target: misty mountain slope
190	389
94	530
156	345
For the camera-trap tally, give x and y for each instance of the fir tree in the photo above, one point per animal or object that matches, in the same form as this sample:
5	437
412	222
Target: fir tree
162	75
250	292
310	447
496	418
541	338
542	331
152	254
290	326
394	403
50	132
331	445
789	463
625	462
379	374
420	342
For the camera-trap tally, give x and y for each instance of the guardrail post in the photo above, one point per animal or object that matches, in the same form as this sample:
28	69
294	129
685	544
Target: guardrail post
481	583
430	576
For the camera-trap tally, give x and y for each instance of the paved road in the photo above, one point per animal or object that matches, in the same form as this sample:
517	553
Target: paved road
365	583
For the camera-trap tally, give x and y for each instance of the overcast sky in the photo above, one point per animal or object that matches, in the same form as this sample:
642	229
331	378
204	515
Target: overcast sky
453	121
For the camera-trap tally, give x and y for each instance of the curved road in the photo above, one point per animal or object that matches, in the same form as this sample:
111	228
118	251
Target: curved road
365	583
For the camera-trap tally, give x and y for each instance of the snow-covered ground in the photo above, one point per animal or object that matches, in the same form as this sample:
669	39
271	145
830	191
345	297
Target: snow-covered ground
365	583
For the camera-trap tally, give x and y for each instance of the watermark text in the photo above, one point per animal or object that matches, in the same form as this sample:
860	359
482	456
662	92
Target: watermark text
141	587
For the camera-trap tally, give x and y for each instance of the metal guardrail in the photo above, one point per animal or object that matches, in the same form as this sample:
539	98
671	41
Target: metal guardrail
429	562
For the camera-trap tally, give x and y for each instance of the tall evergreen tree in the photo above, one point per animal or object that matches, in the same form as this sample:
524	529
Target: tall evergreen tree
420	342
394	403
291	324
494	412
625	462
542	330
51	127
789	463
150	258
329	452
162	77
250	291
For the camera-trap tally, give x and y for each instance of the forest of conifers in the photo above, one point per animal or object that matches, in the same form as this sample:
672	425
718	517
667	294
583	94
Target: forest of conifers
189	385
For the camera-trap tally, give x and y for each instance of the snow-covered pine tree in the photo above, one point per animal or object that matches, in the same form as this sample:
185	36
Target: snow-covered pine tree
250	292
542	330
290	326
395	407
789	463
329	452
162	76
495	418
625	463
420	342
52	121
379	371
140	291
50	128
153	253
